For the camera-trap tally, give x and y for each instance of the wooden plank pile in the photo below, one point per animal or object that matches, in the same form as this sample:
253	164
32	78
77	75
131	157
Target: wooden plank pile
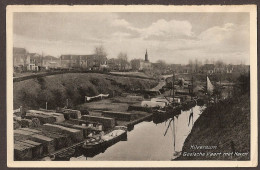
16	125
42	118
91	126
35	147
108	123
125	116
48	143
75	134
22	152
30	144
58	116
70	114
36	136
85	129
138	107
60	140
26	123
34	143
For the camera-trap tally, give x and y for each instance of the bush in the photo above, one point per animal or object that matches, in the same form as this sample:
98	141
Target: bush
244	83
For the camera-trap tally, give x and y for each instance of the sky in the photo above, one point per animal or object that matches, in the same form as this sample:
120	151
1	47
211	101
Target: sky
173	37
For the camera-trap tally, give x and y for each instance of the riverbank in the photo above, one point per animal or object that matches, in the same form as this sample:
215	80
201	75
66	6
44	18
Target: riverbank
56	89
225	125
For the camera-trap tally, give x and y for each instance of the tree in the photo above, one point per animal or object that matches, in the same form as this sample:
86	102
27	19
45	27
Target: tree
220	63
135	63
122	57
192	65
207	61
100	51
244	83
196	65
100	55
161	64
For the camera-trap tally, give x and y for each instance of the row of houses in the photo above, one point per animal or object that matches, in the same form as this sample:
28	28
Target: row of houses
25	61
208	68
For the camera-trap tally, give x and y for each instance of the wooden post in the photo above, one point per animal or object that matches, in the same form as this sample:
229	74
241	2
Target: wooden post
67	103
207	95
46	105
192	85
173	93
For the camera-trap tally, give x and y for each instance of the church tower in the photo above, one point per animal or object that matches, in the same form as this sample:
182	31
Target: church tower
146	56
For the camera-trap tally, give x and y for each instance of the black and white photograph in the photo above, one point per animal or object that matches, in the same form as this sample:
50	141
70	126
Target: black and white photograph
133	84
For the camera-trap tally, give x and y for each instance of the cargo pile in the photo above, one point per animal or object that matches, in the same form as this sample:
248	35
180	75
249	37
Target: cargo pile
41	133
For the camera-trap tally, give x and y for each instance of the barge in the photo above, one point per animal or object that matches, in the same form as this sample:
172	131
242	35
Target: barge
98	144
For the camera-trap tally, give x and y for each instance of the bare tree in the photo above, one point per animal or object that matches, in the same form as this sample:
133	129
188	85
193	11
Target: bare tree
161	64
100	51
100	55
135	63
207	61
192	65
196	65
122	57
219	63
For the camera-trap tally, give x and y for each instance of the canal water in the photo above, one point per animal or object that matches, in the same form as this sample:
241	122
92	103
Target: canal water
148	141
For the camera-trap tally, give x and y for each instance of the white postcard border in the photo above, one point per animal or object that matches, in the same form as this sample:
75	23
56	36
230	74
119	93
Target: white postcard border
133	8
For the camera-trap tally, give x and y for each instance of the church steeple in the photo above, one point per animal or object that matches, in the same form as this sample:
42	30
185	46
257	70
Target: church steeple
146	56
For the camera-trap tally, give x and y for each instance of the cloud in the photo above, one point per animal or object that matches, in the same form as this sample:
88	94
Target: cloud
169	39
168	29
159	30
121	35
226	38
120	23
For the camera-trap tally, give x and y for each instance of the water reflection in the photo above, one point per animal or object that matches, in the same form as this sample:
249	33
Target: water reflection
182	125
150	140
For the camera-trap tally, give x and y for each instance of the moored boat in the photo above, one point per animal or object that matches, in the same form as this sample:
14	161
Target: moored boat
101	143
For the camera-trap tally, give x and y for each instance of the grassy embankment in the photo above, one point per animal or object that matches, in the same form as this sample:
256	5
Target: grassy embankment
225	125
55	89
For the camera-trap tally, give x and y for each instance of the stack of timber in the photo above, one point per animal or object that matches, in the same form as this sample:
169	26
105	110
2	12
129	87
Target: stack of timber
39	142
153	104
108	123
34	147
42	118
138	107
93	127
48	143
61	140
69	113
125	116
34	135
85	129
16	125
38	114
26	123
81	122
23	132
22	152
135	97
75	134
